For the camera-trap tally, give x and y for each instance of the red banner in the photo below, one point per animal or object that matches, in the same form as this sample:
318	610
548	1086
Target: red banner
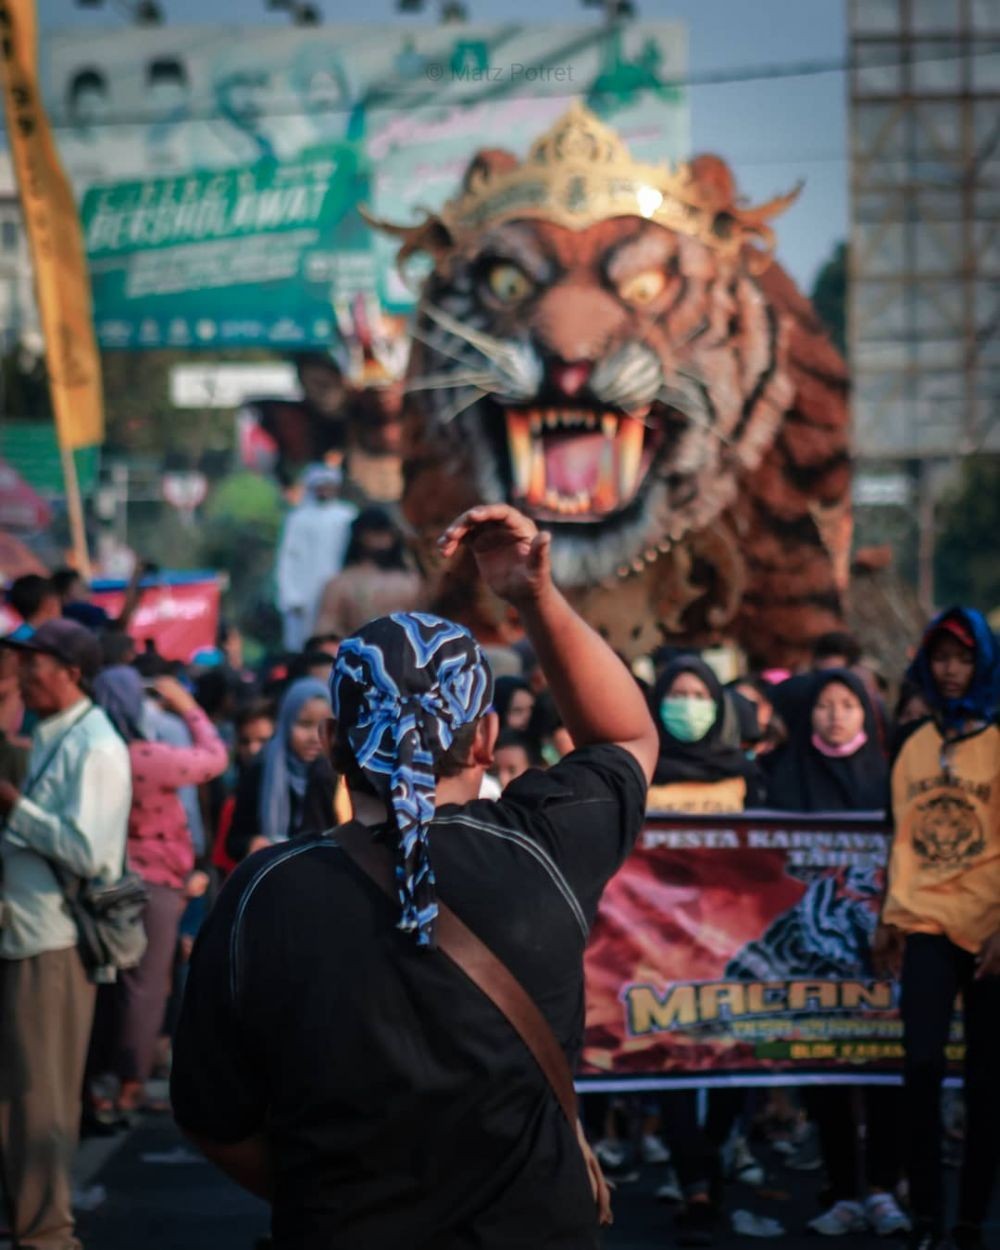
179	612
736	949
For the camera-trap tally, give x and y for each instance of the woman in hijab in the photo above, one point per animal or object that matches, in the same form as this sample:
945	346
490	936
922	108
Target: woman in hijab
770	730
833	761
270	801
702	767
513	702
940	930
160	850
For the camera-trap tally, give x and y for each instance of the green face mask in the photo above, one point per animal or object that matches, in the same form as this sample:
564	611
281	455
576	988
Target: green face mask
687	719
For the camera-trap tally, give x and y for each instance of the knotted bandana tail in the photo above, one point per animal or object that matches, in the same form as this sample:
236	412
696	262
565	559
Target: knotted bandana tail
402	686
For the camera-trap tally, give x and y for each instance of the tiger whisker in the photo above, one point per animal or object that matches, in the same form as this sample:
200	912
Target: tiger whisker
438	347
458	409
493	349
691	376
681	403
447	381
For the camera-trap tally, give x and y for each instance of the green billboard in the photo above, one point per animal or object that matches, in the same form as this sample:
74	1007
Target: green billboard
244	256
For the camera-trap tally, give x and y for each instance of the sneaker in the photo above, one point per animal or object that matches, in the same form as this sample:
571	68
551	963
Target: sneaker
625	1175
808	1157
842	1218
610	1153
743	1166
749	1224
653	1149
885	1215
670	1190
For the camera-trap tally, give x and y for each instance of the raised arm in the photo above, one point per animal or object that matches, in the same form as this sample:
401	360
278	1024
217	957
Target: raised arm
596	695
133	596
204	759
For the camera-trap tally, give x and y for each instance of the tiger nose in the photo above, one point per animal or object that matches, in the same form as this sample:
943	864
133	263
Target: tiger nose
570	376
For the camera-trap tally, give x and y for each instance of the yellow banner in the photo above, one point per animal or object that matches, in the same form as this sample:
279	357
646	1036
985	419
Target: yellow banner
54	237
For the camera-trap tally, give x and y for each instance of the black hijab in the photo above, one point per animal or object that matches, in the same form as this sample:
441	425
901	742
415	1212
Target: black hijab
715	757
504	689
802	779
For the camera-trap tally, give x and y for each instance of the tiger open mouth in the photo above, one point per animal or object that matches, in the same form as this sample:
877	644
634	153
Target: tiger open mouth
578	464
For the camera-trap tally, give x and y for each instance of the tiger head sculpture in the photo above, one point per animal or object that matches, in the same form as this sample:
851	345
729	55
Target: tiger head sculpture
596	345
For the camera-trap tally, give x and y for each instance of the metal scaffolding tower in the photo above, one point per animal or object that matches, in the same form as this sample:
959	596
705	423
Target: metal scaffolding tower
925	236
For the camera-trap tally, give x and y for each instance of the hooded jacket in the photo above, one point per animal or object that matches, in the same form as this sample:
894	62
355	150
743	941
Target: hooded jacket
944	871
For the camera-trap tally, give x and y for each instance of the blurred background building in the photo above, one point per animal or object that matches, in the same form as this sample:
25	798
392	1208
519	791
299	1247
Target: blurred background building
924	271
18	315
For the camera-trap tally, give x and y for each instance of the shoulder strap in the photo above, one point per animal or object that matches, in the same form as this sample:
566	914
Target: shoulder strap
68	882
39	772
479	964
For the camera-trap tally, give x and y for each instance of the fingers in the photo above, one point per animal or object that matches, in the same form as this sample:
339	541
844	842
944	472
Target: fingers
485	514
541	547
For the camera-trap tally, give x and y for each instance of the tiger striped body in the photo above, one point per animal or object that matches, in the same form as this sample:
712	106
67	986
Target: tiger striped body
678	422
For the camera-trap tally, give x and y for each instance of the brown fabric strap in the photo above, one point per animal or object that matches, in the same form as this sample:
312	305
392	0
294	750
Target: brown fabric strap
479	964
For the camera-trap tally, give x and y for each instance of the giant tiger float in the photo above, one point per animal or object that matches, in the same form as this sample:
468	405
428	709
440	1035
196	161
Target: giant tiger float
611	347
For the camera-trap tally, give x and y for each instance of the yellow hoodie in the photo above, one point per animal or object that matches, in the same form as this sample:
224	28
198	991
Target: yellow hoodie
944	871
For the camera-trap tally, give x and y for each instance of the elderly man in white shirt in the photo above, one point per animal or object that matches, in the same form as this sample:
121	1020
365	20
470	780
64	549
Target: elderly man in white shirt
312	549
72	809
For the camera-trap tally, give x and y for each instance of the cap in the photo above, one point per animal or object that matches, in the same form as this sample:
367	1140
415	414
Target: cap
68	641
956	628
318	476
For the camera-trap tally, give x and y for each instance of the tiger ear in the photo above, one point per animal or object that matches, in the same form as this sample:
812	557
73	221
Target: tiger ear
431	236
732	215
486	164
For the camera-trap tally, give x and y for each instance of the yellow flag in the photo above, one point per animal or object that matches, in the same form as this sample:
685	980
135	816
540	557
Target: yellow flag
54	237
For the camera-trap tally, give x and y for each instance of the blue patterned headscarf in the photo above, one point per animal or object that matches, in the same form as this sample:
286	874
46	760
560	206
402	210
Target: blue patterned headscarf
401	688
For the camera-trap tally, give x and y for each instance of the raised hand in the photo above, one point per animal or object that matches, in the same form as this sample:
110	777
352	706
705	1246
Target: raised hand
173	695
511	552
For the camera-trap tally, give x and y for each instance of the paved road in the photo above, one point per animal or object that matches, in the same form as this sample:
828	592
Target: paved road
162	1196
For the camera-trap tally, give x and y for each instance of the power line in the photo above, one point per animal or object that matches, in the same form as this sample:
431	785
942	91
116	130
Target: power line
387	97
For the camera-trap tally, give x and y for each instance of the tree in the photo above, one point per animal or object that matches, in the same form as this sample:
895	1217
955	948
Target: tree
829	296
965	563
141	420
239	532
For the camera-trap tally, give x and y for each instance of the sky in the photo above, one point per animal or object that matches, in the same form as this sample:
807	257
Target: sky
775	130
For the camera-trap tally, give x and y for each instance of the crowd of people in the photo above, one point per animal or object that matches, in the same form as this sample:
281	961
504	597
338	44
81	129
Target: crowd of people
183	771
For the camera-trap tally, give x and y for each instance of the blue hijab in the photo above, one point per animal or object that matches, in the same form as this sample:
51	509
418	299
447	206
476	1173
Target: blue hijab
120	692
283	770
980	701
402	687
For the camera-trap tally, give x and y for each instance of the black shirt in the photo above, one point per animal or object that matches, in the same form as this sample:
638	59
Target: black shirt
401	1107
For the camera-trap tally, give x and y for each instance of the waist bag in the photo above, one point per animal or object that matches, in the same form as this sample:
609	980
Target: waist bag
108	917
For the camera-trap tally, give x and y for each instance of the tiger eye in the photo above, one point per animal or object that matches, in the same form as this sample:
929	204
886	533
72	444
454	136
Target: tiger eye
509	283
643	288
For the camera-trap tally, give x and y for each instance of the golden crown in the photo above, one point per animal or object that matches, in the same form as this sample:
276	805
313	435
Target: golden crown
581	172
